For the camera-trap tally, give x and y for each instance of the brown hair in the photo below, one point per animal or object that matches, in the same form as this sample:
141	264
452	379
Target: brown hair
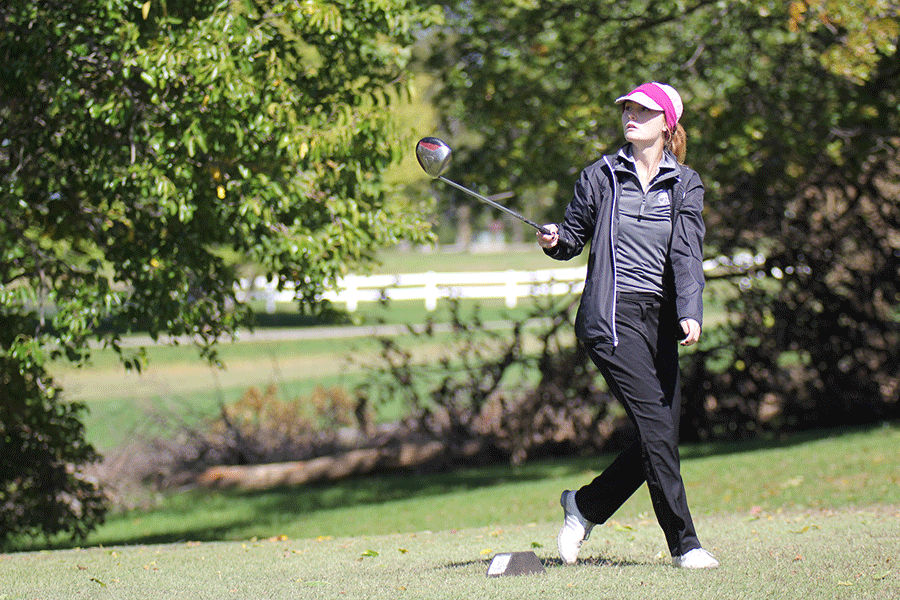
677	143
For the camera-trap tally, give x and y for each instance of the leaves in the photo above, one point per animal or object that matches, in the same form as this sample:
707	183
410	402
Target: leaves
296	143
791	115
141	144
861	33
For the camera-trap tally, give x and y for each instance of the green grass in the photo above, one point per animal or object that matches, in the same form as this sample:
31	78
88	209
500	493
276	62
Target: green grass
525	258
812	471
842	554
177	385
812	516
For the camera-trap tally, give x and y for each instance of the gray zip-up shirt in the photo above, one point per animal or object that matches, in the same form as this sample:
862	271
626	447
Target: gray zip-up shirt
645	225
593	217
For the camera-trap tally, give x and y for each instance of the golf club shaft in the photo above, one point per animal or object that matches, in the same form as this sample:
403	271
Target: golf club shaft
496	205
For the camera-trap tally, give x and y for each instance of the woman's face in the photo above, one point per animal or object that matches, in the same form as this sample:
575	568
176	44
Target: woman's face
642	125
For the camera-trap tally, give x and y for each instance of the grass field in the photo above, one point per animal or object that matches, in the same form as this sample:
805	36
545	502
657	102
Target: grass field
176	383
521	258
821	555
813	516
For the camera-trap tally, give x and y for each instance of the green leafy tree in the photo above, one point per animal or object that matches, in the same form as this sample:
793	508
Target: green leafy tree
814	337
792	122
142	144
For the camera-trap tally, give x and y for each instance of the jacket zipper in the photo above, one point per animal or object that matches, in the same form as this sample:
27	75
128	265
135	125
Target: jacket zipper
612	247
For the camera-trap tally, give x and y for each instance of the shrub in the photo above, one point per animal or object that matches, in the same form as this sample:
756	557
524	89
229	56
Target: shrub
485	387
258	428
42	449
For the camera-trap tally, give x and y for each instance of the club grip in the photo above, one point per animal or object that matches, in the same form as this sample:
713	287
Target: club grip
559	239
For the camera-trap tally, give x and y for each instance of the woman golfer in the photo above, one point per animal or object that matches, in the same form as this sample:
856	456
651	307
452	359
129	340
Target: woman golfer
640	210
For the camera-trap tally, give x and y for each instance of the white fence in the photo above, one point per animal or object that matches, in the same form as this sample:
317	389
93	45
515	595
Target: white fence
430	287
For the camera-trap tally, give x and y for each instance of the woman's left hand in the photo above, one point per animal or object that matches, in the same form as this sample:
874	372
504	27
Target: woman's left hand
691	330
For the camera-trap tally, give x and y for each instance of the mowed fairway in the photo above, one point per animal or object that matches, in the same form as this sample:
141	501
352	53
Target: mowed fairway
811	516
816	516
817	555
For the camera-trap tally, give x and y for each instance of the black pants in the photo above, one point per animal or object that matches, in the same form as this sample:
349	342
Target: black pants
642	372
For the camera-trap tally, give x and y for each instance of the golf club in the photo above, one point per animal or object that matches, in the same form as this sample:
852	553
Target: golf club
434	157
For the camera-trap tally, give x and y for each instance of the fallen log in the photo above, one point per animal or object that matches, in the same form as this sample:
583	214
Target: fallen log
341	465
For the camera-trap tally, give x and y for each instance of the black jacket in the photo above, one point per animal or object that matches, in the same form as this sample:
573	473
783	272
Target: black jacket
593	216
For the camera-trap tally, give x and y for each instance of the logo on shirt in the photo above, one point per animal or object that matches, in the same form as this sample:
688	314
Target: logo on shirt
662	198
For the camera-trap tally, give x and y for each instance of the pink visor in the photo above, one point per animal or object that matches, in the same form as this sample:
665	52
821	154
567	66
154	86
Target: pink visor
657	96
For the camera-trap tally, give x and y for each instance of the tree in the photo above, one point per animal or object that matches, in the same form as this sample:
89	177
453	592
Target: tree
791	118
143	144
815	336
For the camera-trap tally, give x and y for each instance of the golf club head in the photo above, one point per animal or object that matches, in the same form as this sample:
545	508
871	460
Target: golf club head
433	156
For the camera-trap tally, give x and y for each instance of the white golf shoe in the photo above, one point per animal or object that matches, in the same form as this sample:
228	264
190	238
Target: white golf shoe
575	530
698	558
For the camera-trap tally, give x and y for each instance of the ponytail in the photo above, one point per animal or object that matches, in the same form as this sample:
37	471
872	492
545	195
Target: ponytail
677	143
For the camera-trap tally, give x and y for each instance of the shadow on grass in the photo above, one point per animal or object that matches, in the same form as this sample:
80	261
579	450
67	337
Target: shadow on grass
282	504
239	511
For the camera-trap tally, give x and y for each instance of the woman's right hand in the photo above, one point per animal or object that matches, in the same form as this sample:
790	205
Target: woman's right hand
548	241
